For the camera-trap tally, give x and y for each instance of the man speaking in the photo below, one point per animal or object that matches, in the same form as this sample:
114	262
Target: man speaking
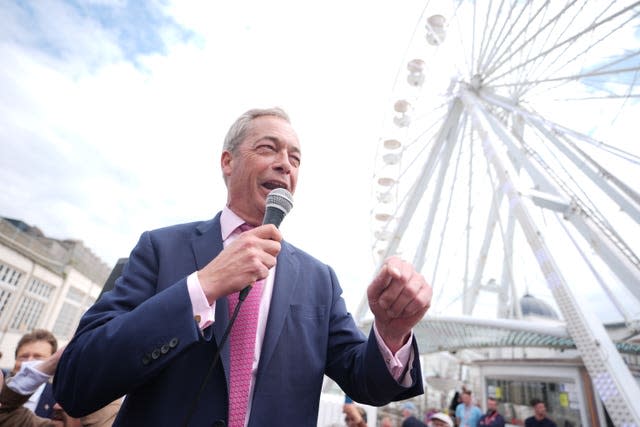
162	338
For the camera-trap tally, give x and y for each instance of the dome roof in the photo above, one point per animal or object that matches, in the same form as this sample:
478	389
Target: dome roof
532	306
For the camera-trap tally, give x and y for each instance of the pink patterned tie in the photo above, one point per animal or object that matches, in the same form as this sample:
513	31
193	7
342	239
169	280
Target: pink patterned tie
242	342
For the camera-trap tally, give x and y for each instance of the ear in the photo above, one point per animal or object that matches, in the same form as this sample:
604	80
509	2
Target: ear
226	163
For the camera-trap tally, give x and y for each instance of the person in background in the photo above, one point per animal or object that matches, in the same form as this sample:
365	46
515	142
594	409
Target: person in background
492	417
15	391
354	415
430	412
539	418
386	421
467	414
38	344
409	412
455	401
440	419
29	377
157	331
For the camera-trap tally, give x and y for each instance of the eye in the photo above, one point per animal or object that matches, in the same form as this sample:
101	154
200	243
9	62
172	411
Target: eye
294	160
266	149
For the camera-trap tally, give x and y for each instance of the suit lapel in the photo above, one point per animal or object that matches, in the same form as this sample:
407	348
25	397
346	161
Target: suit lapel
287	271
206	245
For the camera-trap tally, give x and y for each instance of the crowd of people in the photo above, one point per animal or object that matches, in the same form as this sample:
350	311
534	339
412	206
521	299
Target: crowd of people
463	412
28	399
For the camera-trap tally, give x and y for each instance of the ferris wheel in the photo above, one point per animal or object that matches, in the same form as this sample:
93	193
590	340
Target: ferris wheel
509	164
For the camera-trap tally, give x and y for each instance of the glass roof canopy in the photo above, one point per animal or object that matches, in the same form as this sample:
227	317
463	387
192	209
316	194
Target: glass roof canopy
466	332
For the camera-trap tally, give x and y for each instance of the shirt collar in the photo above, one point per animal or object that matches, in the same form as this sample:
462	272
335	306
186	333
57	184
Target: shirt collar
229	221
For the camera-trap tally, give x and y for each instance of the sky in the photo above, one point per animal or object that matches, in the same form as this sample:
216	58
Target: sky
113	113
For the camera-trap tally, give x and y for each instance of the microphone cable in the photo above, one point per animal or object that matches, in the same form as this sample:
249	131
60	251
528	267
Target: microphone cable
241	297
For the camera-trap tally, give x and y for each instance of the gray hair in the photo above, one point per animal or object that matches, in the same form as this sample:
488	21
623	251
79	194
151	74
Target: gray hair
238	130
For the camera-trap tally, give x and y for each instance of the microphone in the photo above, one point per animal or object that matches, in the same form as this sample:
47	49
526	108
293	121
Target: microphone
279	204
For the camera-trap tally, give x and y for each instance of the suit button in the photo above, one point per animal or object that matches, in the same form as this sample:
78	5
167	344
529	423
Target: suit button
173	343
155	354
219	423
146	359
164	349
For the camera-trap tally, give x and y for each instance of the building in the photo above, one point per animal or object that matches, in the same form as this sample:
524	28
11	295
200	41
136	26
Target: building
44	283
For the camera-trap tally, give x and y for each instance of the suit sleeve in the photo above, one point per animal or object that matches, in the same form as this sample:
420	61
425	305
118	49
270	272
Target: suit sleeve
129	336
356	363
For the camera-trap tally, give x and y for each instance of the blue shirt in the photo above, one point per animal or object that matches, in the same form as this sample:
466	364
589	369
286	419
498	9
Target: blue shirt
468	415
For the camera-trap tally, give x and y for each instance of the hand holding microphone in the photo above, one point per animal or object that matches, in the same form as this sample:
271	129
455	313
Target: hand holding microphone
251	255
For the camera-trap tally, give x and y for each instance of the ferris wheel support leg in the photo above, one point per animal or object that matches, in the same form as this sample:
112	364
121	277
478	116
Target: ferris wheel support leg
612	379
449	126
471	294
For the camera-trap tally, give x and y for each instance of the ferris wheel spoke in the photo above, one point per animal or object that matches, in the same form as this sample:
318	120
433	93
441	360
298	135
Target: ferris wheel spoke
564	42
484	42
452	139
494	44
534	46
501	40
552	37
603	284
510	51
574	77
593	73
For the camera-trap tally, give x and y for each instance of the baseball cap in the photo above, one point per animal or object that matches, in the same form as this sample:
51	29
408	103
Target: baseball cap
442	417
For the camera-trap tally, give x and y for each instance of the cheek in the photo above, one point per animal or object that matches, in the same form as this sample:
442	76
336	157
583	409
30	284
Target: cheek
294	181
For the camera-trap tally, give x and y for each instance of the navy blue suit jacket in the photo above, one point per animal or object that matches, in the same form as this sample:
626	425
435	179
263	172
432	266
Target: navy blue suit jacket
140	339
46	402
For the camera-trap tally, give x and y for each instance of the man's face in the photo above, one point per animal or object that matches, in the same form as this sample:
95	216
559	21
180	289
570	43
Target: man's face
268	158
35	350
466	398
386	422
350	421
540	410
492	405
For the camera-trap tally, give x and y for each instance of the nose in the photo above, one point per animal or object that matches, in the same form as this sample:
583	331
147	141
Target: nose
282	163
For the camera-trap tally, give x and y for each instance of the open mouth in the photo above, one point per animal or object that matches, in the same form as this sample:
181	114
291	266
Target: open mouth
272	185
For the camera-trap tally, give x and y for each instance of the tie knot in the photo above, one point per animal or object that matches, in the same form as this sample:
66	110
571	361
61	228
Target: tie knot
245	227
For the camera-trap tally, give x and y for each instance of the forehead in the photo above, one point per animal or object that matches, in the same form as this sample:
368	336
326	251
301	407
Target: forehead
36	347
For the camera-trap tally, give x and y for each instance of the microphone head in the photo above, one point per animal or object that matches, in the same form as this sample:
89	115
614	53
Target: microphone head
279	203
